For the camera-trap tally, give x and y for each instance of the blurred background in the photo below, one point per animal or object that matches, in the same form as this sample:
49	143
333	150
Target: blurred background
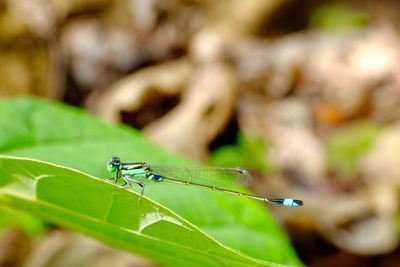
303	93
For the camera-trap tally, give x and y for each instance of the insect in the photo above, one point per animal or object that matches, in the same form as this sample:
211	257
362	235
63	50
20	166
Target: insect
214	178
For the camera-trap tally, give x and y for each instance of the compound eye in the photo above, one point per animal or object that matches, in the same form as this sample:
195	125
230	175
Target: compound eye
115	161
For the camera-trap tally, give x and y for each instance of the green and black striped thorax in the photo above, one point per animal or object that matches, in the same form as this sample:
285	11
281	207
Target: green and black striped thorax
135	170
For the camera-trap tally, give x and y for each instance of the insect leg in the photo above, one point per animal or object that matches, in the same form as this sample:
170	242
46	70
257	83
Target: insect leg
129	179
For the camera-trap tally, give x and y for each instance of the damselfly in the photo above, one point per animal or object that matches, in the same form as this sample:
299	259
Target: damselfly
214	178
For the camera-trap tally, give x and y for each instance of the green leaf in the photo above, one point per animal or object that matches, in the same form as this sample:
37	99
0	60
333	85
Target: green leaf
346	146
68	136
338	17
27	223
249	152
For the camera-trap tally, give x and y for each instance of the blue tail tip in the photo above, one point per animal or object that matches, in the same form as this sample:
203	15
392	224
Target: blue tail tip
292	202
289	202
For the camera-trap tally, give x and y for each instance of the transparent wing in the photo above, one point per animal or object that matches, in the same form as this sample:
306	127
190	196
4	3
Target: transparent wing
228	178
